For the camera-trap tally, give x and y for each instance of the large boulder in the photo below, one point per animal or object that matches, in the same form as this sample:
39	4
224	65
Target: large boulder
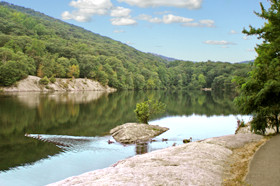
134	132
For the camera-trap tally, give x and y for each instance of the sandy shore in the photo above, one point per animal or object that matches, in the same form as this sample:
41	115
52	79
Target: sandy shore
206	162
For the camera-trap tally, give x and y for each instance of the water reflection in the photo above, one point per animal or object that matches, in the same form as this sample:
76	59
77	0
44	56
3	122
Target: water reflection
86	114
91	115
33	99
141	148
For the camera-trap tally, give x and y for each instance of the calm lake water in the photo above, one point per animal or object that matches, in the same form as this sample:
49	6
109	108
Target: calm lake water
71	130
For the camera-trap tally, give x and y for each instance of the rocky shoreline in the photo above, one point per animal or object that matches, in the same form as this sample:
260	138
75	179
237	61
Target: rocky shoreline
207	162
31	84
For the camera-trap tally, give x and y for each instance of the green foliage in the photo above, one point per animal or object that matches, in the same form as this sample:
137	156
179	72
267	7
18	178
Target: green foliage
50	47
44	81
260	93
146	109
52	79
242	124
259	123
12	71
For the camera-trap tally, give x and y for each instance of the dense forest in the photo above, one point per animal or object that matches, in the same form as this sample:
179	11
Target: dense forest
32	43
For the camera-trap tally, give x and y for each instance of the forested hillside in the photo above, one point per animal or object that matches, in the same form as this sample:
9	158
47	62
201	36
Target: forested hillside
32	43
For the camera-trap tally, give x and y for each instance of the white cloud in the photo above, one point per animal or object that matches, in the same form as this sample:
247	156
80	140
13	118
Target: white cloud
122	17
251	50
163	12
120	12
75	15
190	4
207	23
168	19
129	43
149	18
246	38
201	23
86	9
223	42
144	17
123	21
191	24
119	31
233	32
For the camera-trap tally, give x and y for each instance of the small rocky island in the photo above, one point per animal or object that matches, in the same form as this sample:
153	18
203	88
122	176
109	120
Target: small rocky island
134	132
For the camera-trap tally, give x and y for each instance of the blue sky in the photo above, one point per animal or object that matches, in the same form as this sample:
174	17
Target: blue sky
195	30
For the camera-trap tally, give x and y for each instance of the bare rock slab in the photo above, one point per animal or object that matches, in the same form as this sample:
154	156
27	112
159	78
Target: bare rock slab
196	163
132	132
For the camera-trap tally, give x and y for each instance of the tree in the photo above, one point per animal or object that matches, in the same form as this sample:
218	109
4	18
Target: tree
74	71
260	94
146	109
11	72
139	81
201	80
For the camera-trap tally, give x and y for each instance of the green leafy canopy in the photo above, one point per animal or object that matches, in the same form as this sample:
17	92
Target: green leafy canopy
32	43
260	94
146	109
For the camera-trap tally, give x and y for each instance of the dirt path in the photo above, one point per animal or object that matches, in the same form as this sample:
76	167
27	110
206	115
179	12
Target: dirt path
265	166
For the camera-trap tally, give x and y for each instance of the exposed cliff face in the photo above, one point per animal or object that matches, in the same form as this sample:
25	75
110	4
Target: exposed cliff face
31	84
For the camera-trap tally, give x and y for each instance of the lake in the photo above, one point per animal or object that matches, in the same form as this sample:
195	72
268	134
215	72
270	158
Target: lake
68	133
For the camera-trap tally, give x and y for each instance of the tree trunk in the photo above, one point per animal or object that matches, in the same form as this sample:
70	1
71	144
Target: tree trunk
277	123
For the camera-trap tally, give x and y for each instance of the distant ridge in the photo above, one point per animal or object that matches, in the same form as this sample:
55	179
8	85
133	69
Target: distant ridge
246	62
164	57
49	48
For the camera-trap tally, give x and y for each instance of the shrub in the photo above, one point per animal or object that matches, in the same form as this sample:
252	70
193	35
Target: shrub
52	79
44	80
148	108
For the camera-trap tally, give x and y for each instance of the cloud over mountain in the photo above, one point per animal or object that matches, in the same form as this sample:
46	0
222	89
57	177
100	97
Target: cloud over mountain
86	9
223	42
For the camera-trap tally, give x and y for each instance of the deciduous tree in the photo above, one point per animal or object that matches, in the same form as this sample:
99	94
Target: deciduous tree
146	109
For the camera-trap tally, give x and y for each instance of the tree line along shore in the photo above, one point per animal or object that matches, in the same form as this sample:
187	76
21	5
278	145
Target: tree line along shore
32	43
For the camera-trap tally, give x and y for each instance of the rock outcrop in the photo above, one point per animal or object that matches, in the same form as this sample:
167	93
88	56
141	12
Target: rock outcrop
31	84
134	132
196	163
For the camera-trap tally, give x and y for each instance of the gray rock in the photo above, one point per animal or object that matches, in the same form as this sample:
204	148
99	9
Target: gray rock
196	163
135	132
234	141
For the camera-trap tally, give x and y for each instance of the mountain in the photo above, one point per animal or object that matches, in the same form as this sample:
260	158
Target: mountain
169	59
247	62
32	43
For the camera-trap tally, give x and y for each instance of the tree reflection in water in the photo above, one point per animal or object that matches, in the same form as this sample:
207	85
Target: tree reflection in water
86	114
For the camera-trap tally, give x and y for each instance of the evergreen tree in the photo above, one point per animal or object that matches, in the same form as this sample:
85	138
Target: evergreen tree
260	94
